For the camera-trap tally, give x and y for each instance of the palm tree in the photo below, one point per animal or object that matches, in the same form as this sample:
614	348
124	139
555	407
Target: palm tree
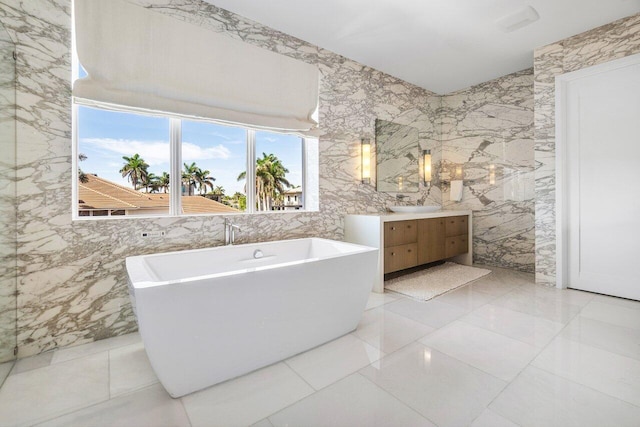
270	180
204	180
151	181
163	182
189	176
134	169
82	177
218	190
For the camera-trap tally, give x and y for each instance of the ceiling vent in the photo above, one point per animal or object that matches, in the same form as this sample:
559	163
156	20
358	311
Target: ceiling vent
519	19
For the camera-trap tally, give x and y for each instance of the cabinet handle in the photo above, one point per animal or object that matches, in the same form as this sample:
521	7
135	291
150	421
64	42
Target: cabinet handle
392	253
409	250
393	228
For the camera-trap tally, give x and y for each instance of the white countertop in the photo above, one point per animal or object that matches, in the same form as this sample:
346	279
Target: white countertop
393	216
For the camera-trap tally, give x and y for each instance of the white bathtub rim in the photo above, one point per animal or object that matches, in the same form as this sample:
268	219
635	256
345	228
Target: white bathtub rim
141	277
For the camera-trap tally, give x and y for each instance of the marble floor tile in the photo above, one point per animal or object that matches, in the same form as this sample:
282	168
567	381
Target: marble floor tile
129	369
263	423
616	314
388	331
550	295
539	399
48	392
550	309
496	354
5	368
444	390
486	285
466	297
69	353
501	281
33	362
622	302
607	336
432	313
443	362
247	399
377	299
151	406
490	419
352	401
333	361
524	327
607	372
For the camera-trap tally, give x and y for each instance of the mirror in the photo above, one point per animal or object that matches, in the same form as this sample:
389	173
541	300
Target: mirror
397	151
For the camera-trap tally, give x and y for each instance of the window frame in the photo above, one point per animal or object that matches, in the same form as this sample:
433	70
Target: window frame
175	165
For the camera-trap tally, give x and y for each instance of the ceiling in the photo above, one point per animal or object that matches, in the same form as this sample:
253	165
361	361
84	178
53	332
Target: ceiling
440	45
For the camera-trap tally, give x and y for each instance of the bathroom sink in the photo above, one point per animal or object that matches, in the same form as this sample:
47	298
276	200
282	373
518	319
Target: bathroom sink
415	209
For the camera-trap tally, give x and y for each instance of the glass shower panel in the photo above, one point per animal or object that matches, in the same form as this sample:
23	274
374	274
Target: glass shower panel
8	258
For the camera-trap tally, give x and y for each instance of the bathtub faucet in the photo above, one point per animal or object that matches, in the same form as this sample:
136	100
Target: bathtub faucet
230	232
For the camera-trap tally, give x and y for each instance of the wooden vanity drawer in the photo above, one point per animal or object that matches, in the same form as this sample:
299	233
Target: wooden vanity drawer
456	245
457	225
431	240
400	257
400	233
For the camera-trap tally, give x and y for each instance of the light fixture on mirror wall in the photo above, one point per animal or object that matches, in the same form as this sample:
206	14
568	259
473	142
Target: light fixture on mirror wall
426	159
365	158
492	174
400	183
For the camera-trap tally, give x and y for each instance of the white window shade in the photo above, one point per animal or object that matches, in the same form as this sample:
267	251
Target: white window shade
143	59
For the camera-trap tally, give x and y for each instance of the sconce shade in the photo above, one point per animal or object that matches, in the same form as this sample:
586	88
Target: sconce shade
366	160
426	154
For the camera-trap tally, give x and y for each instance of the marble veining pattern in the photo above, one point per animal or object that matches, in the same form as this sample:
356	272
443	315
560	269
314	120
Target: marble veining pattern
487	140
612	41
71	276
7	199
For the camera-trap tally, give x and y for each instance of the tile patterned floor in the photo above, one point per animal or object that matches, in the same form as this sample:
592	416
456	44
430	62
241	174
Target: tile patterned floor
498	352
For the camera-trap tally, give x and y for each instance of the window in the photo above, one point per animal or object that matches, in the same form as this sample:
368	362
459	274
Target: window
124	163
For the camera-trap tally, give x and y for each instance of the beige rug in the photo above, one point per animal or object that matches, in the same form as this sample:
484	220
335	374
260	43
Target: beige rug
434	281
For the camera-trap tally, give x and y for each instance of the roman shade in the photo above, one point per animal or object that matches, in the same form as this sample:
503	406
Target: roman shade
140	58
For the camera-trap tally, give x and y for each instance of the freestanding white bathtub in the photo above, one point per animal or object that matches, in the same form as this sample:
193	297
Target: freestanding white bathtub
209	315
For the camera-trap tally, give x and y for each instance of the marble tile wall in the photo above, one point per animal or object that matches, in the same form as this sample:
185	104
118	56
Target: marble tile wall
487	135
7	199
71	276
612	41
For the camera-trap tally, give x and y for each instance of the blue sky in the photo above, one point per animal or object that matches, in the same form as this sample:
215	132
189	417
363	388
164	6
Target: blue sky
105	136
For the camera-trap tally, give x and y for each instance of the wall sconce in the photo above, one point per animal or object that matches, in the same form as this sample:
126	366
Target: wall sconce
365	157
426	160
400	183
492	174
458	174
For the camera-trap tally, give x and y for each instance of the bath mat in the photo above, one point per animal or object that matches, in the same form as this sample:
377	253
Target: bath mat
426	284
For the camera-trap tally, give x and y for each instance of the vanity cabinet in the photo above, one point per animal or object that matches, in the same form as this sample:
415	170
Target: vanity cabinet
457	236
409	240
400	245
431	235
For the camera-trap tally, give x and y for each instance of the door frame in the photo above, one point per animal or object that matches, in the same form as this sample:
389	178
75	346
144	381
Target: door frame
562	82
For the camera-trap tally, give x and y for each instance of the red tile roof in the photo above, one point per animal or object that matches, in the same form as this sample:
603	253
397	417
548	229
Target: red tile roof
101	194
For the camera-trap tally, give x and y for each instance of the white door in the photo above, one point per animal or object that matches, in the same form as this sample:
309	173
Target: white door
603	180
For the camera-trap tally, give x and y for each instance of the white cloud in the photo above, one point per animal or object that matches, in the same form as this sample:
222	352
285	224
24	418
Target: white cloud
195	152
156	152
153	152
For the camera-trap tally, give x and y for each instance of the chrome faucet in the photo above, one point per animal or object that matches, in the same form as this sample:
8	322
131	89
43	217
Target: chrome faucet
401	197
230	232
